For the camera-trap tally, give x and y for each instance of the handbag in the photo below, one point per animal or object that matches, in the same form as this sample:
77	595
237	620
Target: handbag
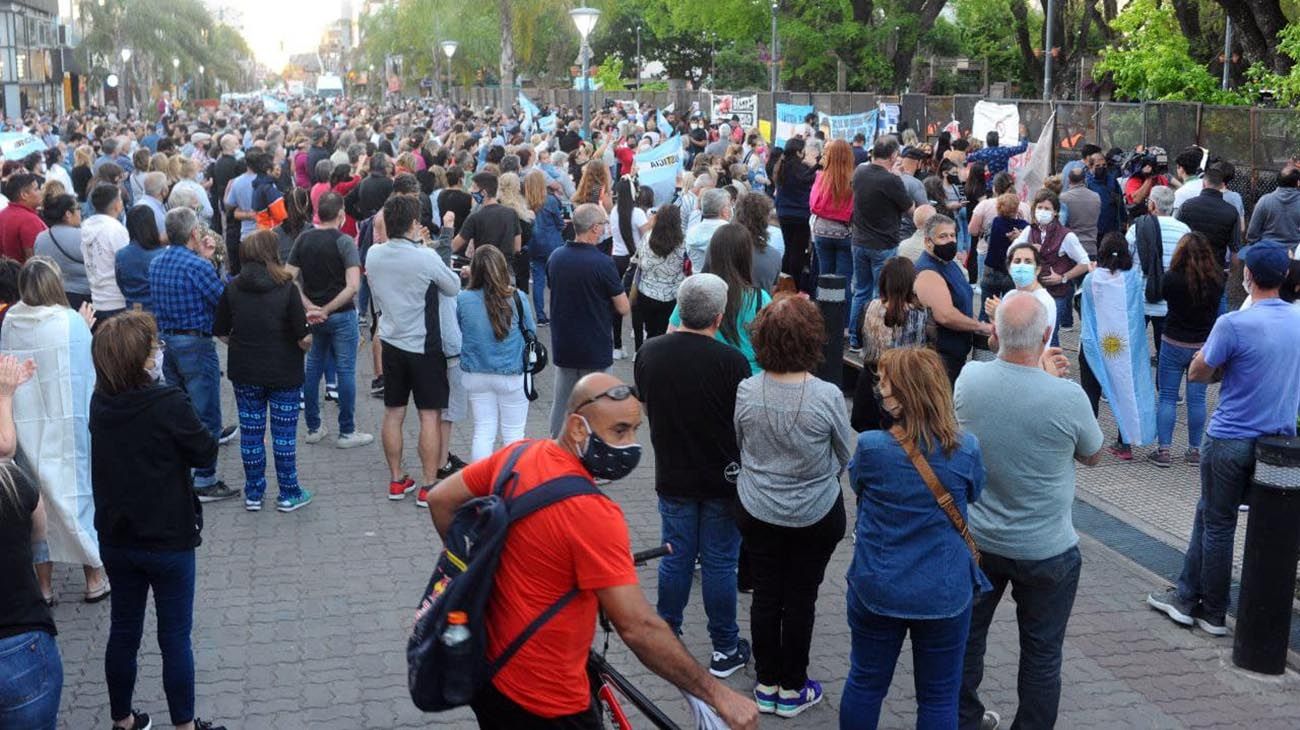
941	495
535	355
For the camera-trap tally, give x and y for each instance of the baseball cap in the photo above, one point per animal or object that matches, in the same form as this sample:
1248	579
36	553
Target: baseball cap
1268	263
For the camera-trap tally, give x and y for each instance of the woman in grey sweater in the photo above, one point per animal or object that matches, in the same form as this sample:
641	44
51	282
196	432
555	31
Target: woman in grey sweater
795	440
62	242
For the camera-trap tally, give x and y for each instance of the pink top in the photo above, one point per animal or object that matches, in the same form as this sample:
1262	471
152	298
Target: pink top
820	203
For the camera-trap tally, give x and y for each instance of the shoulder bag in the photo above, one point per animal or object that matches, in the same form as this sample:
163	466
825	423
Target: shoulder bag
535	355
941	494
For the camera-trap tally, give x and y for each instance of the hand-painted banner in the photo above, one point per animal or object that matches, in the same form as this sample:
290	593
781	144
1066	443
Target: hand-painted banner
847	125
888	116
1001	118
789	119
744	107
657	169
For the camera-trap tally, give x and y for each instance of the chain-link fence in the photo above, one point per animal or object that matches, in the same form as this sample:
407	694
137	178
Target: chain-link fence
1258	142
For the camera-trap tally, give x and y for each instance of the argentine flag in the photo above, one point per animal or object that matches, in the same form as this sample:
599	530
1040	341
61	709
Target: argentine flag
530	111
1114	339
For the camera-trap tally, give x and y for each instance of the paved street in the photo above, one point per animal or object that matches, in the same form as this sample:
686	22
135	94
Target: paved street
301	619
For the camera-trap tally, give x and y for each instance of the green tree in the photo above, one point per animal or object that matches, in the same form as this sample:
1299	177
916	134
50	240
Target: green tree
1152	61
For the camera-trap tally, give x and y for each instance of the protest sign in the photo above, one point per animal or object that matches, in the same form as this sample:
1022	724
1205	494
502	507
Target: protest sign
744	107
847	125
789	120
1001	118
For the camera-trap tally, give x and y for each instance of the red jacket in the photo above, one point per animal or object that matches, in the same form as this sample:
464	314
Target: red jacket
821	205
19	227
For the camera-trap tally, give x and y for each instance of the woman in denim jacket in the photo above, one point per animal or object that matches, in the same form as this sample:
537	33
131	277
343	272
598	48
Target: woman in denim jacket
492	350
912	571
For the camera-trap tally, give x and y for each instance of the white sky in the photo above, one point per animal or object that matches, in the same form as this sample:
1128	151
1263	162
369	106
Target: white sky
276	29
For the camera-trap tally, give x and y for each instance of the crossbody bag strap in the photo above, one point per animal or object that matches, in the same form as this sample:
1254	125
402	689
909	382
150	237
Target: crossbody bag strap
941	494
543	495
519	305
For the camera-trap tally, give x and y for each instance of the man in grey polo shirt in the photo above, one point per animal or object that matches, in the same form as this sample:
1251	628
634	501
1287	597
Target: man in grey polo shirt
406	278
1032	427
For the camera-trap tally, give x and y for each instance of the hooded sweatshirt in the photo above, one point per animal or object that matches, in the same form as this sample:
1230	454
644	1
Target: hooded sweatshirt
264	320
1276	218
144	443
101	238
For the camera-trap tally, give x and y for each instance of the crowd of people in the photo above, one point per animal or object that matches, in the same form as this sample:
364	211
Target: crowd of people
449	236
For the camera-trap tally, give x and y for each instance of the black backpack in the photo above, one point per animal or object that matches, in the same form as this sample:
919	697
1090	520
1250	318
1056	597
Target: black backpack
438	677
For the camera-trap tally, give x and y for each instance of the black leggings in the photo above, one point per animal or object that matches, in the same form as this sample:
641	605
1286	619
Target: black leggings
787	565
653	315
797	236
1092	388
621	263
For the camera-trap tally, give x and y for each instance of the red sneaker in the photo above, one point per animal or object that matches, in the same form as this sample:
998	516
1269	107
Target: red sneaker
422	497
399	489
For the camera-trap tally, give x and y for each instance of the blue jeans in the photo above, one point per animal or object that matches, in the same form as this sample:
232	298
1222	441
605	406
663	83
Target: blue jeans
31	681
1044	594
190	363
253	402
539	288
938	646
704	528
1064	311
1174	361
867	264
1227	466
170	573
835	256
333	342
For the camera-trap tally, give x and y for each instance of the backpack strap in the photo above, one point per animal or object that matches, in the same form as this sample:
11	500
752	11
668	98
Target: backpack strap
507	476
543	495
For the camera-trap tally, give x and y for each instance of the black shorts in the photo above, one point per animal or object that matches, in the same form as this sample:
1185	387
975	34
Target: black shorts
407	373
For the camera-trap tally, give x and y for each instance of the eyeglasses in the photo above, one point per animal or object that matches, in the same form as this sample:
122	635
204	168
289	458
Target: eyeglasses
617	393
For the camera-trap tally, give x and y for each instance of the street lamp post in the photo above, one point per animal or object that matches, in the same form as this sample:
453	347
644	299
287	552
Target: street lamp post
585	19
449	49
126	89
638	57
1047	52
176	75
772	51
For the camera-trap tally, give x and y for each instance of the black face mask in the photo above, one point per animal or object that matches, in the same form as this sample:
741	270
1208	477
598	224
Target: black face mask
946	251
886	418
953	179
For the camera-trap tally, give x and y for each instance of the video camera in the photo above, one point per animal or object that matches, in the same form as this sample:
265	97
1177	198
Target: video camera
1154	157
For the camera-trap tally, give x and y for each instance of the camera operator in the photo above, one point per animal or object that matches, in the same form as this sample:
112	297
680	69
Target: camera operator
1148	168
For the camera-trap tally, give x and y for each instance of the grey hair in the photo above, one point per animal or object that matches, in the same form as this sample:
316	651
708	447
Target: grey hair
936	220
355	152
586	217
713	201
1162	197
180	224
184	197
700	299
154	182
560	159
1016	333
704	179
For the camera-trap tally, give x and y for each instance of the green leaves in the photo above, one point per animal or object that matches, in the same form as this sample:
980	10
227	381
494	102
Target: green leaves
1153	61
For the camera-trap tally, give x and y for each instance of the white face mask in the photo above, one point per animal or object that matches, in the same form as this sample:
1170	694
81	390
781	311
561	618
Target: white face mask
1043	216
155	366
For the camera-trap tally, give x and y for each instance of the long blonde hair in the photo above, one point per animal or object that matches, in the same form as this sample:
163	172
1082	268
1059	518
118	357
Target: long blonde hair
919	382
509	195
535	190
595	179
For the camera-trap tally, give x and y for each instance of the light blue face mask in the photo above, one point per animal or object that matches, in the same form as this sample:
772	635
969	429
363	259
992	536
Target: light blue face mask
1022	274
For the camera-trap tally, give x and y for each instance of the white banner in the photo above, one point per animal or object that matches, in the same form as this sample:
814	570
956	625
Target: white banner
744	107
1033	166
1001	118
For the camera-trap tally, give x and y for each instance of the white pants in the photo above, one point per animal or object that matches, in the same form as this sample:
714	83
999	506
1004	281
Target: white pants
495	400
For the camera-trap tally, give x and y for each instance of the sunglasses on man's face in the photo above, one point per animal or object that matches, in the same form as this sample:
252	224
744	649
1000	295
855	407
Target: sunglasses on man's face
617	393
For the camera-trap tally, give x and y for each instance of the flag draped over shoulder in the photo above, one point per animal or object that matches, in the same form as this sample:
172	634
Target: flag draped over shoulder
1115	343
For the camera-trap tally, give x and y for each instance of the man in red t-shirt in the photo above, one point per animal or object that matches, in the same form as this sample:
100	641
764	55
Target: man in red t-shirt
19	222
581	542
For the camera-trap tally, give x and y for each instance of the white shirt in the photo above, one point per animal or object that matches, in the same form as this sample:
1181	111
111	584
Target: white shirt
621	247
101	238
1189	190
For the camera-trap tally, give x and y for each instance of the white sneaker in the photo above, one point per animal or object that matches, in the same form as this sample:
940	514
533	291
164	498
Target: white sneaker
354	439
314	437
618	354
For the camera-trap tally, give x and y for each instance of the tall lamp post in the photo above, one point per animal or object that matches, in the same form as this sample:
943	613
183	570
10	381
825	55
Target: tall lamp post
638	57
126	89
449	50
585	18
772	51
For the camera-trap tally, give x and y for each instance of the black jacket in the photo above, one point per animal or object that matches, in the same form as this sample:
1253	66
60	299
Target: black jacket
264	321
1210	214
368	196
143	444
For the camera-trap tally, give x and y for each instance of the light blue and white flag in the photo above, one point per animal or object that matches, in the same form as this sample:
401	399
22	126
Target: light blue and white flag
1114	340
527	105
661	123
847	125
657	169
273	105
789	118
547	124
17	145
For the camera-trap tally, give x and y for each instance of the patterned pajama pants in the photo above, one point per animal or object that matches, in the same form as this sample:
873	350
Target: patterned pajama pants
252	401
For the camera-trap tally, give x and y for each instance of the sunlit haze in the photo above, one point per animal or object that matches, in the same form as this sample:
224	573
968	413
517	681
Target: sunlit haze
279	28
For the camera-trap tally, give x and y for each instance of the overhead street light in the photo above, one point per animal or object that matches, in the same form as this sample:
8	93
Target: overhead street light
585	19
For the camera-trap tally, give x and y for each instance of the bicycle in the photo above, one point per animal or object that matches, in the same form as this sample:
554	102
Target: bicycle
609	688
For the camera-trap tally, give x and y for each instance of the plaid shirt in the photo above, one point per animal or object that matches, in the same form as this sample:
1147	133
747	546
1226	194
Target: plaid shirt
185	289
997	159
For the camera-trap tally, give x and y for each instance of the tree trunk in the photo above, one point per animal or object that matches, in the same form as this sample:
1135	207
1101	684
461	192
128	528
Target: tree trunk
863	11
1020	18
507	44
1188	13
926	12
1256	23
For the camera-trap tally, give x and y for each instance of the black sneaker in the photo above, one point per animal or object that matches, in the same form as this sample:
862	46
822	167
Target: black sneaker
1212	625
215	493
455	462
141	721
205	725
228	433
1170	604
725	665
377	387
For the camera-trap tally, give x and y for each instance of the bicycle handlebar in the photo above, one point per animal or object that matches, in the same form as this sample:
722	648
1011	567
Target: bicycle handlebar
646	556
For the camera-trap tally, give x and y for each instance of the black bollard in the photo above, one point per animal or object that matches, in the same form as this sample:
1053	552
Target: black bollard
831	301
1268	570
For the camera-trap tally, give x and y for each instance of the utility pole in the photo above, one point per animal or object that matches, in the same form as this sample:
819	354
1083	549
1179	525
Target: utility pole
772	52
1227	54
1047	52
638	57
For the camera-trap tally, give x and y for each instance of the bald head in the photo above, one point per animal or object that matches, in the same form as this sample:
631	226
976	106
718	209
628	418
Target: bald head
922	216
1023	327
591	408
